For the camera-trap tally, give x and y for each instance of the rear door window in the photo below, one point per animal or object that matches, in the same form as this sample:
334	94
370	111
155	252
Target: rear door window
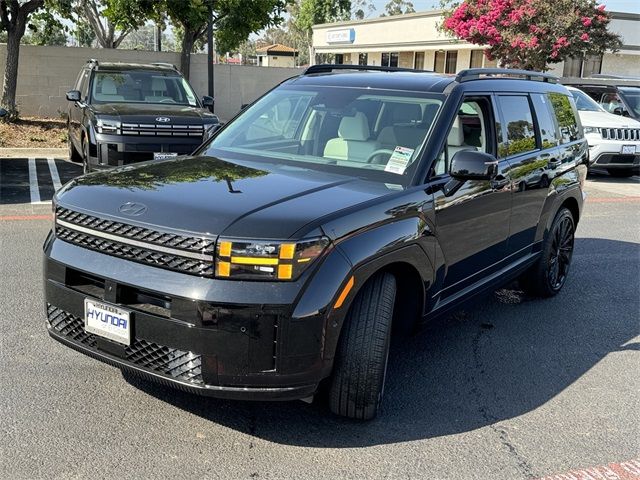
518	121
546	125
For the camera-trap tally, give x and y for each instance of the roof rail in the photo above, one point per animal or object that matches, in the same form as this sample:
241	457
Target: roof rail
93	61
164	64
477	73
327	68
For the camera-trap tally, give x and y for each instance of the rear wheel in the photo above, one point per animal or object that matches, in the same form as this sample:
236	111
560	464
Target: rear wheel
621	173
549	274
360	368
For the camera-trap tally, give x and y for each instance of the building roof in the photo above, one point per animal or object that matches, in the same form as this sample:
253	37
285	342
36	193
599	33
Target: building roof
276	48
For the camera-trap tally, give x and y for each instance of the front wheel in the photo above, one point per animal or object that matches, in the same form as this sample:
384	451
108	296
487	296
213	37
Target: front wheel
549	274
360	367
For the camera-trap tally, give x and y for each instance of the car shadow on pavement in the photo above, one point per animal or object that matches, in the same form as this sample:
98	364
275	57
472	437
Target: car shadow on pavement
504	357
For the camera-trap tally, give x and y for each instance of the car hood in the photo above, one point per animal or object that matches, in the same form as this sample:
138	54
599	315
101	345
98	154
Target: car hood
139	112
210	196
606	120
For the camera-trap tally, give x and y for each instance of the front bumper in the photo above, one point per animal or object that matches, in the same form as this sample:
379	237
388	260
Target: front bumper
607	154
206	336
117	150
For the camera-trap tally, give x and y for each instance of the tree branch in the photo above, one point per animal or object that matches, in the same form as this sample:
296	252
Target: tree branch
4	15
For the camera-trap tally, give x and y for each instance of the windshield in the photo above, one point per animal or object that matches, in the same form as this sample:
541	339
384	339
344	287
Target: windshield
632	98
139	86
374	131
585	103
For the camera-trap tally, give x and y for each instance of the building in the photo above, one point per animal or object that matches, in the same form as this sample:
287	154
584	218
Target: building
414	41
276	55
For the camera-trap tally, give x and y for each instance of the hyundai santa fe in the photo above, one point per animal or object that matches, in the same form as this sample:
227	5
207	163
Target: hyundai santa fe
336	211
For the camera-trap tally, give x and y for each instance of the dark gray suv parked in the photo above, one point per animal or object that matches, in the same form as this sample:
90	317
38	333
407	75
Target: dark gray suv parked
124	113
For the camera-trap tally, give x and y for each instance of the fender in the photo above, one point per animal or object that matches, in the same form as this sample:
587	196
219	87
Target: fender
362	256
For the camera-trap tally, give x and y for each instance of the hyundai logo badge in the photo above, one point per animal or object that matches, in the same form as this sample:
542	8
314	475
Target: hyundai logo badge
133	209
163	119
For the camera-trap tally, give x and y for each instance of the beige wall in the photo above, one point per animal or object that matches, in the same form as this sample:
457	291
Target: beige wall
45	74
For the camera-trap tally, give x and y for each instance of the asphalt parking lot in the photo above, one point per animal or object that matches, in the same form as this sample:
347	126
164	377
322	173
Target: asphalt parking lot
512	388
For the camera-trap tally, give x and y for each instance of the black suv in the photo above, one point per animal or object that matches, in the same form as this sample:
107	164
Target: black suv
618	96
123	113
338	208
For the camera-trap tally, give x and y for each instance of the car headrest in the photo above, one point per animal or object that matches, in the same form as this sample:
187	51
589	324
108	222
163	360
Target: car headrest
406	113
456	135
108	87
158	84
354	128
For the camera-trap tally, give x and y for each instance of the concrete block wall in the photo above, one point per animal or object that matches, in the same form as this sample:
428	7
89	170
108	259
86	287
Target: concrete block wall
45	74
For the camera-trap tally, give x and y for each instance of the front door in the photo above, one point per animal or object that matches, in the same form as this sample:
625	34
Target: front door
472	217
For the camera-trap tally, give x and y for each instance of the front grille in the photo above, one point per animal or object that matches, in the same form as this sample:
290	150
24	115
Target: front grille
170	362
630	134
121	236
162	130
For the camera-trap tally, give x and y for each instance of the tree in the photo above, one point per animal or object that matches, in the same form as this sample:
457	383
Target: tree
45	29
110	20
84	34
398	7
307	13
532	35
14	17
360	9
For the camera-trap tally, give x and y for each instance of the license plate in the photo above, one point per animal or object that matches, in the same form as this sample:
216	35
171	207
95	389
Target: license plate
628	149
107	321
164	155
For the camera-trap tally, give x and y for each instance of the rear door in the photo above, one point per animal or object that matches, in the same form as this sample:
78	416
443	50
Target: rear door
472	217
530	146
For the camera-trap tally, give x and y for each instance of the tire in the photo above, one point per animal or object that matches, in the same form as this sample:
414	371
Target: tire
621	173
85	156
360	365
74	156
549	274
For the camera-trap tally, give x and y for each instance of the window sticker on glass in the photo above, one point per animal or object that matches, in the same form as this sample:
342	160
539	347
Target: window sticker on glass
399	160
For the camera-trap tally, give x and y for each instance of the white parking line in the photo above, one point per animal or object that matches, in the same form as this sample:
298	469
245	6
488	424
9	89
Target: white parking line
57	185
34	190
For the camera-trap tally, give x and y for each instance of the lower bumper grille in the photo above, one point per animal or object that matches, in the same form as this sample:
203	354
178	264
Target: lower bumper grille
171	362
608	158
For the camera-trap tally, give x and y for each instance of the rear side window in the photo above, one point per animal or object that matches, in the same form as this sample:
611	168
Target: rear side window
566	117
546	124
518	121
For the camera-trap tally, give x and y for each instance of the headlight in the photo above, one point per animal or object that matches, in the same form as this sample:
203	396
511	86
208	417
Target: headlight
108	126
591	130
266	260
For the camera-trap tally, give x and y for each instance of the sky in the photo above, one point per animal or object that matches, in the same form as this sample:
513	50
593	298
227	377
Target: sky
632	6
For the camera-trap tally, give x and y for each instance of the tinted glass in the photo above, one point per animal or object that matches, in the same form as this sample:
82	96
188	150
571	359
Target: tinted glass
363	58
546	126
476	59
438	65
584	102
137	86
452	62
565	116
632	97
518	121
332	128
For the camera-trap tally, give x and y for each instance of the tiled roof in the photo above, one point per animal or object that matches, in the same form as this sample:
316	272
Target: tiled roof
276	48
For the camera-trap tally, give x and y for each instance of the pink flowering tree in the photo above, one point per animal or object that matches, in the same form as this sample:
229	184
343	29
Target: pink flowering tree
532	34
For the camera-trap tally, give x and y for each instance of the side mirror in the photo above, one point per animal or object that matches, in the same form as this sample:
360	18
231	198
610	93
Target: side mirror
618	111
473	165
3	112
73	95
211	130
243	106
208	102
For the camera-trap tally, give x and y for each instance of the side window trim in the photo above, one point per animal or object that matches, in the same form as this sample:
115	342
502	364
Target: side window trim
505	133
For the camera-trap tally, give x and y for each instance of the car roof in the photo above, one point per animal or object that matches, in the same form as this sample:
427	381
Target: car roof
420	81
117	66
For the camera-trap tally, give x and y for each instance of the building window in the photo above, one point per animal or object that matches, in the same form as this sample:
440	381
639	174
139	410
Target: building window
363	58
418	63
438	64
339	59
390	59
452	62
476	58
582	66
